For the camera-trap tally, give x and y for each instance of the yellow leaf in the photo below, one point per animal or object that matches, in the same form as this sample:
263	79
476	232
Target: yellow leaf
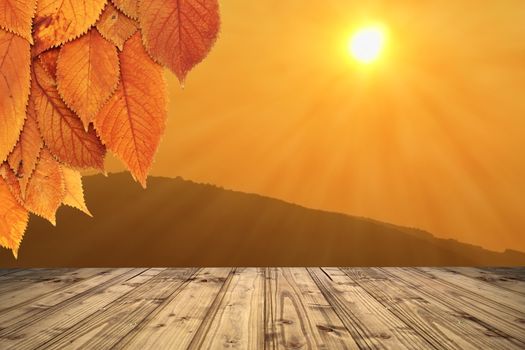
45	190
16	16
13	219
62	131
24	157
74	194
179	33
133	121
115	26
87	74
15	60
58	21
11	180
129	7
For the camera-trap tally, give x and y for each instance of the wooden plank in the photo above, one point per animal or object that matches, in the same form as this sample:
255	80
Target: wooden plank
502	278
57	319
372	325
11	298
36	323
204	327
31	310
438	324
33	273
238	322
7	271
500	319
517	273
104	328
178	319
512	300
299	316
22	278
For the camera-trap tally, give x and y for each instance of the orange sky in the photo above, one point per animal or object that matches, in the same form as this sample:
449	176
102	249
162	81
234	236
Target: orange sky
432	136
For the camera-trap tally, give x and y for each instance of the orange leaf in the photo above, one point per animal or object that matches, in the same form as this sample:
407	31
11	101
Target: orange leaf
129	7
24	157
133	120
58	21
74	194
48	59
62	131
45	190
115	26
13	219
16	17
15	61
179	33
87	74
11	180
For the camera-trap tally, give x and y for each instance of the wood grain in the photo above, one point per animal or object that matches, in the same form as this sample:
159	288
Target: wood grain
240	314
469	304
298	317
504	278
440	324
372	325
263	308
179	318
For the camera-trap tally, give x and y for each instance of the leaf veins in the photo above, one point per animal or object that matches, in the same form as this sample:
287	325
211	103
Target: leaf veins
16	17
129	7
179	33
14	89
13	219
11	180
58	21
87	74
74	193
24	157
115	26
133	120
62	131
45	190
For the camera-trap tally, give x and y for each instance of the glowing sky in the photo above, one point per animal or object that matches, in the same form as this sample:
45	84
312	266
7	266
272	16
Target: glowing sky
432	135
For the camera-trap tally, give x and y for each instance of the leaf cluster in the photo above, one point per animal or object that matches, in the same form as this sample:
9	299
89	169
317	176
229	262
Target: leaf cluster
79	78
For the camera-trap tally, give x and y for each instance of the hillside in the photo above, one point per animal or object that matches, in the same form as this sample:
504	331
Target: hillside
180	223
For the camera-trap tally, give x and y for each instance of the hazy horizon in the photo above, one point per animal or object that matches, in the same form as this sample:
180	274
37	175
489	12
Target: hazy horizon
365	218
176	222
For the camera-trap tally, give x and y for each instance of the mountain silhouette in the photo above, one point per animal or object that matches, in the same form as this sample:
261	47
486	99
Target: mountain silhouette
181	223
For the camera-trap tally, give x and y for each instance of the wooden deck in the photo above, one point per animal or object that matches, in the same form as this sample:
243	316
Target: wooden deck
263	308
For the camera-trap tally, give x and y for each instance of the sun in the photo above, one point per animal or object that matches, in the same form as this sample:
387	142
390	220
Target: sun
367	43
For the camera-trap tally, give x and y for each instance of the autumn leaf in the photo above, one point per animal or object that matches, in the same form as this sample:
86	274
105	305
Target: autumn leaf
87	74
57	21
179	33
129	7
48	59
62	131
15	61
45	190
74	194
116	27
13	219
16	17
24	157
133	120
11	180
